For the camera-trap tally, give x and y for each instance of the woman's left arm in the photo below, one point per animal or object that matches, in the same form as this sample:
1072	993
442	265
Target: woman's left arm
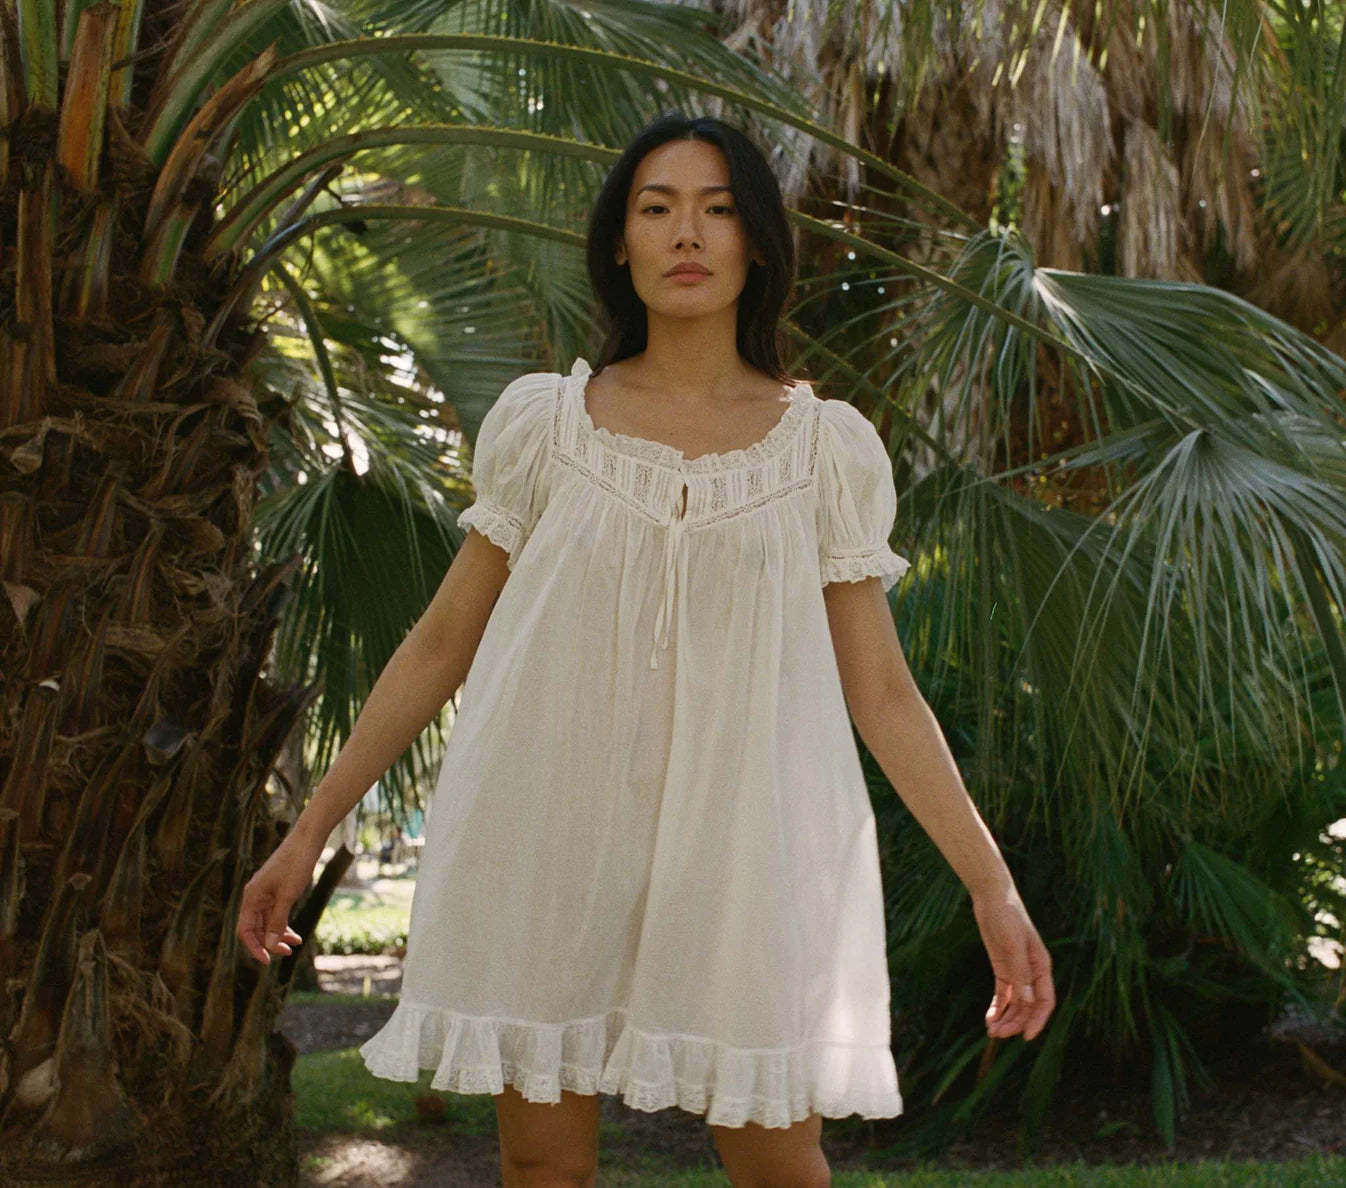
903	735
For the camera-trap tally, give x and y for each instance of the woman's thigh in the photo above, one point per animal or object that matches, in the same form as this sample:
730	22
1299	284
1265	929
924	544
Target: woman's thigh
788	1155
560	1137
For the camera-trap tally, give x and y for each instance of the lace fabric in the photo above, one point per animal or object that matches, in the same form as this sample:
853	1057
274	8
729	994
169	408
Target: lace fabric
881	562
649	476
604	1053
662	454
496	523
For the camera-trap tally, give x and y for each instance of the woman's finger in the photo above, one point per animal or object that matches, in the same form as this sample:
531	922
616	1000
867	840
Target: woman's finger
1030	1017
1006	1018
1000	1003
1018	1011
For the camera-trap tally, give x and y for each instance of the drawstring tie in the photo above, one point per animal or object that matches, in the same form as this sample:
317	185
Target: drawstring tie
665	616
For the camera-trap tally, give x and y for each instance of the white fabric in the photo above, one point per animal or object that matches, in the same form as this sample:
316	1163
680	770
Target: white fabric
651	865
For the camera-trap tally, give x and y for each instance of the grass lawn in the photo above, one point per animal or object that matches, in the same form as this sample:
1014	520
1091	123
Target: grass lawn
1308	1174
336	1095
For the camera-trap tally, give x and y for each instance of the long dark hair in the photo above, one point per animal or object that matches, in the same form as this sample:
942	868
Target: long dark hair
758	200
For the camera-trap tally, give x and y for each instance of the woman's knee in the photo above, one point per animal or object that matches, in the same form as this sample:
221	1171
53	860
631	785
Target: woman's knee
774	1157
548	1144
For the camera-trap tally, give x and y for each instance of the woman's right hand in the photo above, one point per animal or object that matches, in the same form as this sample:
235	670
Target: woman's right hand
1024	993
264	915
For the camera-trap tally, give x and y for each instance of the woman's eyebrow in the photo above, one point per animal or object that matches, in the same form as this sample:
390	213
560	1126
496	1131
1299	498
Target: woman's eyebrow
674	189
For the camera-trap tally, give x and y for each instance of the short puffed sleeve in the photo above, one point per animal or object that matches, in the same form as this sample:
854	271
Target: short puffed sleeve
510	460
857	499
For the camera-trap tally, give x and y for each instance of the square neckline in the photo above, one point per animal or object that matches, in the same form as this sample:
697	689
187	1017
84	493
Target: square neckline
661	453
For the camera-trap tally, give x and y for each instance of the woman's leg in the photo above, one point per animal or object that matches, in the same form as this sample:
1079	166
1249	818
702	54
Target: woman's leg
547	1144
774	1157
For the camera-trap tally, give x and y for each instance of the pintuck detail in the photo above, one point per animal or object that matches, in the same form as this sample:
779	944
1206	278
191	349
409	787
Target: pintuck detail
649	476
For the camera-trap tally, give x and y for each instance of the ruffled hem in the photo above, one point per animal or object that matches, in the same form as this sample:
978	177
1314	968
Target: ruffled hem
881	563
604	1053
501	527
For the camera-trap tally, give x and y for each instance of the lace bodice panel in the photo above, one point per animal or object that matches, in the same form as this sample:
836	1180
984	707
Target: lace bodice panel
649	476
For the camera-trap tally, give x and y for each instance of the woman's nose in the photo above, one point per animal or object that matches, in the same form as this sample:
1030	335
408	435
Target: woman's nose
688	231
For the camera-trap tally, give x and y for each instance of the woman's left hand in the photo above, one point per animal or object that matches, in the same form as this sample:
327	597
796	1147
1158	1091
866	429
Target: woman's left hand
1024	994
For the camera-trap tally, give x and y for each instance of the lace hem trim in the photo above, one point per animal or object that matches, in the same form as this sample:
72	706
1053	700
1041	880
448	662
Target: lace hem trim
604	1053
648	450
880	562
501	527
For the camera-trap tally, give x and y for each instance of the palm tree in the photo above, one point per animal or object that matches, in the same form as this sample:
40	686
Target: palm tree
147	418
1174	144
155	208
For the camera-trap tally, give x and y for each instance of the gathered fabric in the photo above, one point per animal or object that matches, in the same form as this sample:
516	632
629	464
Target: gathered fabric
650	864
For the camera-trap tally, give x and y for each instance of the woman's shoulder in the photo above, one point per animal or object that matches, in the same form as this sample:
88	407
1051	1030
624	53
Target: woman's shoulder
532	389
850	443
524	409
520	419
842	416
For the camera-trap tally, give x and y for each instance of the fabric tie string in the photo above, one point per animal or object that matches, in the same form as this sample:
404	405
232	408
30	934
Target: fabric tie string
665	617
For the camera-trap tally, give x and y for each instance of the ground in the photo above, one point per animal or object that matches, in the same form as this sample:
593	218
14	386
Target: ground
1271	1103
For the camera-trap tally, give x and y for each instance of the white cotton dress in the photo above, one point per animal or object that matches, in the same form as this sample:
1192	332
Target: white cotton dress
650	864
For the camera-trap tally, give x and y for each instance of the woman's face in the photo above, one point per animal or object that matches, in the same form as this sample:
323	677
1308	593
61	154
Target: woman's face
680	210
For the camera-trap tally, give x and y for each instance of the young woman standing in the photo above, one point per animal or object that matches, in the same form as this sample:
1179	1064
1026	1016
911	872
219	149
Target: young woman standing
651	866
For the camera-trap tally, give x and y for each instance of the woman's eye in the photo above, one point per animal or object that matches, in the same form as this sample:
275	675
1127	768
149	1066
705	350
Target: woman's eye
660	206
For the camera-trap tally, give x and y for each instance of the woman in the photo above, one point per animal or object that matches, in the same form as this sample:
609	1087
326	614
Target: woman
651	868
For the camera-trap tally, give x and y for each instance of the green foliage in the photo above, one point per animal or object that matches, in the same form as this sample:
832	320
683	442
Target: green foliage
344	929
1140	679
1176	929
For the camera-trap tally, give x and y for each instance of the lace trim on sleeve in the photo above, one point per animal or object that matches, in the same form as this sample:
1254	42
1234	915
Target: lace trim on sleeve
494	522
854	566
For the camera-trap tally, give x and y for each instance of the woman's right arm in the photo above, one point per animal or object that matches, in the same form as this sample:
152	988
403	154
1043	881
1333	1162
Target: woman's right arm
420	677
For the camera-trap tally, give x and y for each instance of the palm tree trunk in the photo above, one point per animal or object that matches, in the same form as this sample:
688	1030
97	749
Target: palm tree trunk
138	728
